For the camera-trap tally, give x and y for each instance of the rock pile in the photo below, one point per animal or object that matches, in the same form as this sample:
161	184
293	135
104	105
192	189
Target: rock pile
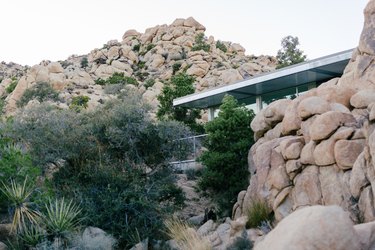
319	149
151	58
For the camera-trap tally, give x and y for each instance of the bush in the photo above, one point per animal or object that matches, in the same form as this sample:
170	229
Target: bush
11	86
84	62
116	163
221	46
176	67
200	43
257	213
79	102
100	81
180	85
149	83
228	142
15	163
41	91
119	78
136	47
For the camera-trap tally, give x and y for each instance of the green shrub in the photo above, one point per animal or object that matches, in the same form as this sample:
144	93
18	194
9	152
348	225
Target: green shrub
228	142
41	91
257	213
116	163
141	64
179	85
149	83
136	47
9	89
100	81
221	46
119	78
84	62
15	163
176	67
79	102
200	43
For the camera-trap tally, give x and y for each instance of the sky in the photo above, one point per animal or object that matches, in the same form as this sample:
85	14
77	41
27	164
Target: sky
34	30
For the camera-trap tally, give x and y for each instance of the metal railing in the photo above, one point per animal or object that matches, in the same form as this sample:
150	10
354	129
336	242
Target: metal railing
189	149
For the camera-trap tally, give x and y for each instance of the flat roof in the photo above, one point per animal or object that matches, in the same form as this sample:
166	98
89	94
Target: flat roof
317	70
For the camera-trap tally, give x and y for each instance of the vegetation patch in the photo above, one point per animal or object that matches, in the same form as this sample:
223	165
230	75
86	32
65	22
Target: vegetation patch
228	142
200	43
41	91
179	85
220	45
10	88
258	212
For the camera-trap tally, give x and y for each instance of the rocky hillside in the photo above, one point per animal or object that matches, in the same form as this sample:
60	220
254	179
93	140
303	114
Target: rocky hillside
151	58
318	149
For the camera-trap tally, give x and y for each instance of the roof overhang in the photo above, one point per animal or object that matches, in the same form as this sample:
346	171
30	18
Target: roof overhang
317	70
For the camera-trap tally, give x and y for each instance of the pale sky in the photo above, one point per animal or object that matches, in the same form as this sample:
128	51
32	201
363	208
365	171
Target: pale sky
33	30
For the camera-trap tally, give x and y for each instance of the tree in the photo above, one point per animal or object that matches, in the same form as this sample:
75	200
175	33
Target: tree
225	161
289	54
179	85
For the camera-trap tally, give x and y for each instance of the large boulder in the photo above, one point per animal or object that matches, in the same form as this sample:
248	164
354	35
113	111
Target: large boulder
316	227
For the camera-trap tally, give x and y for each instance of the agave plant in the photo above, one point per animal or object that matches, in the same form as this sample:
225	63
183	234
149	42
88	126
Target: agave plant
61	218
18	196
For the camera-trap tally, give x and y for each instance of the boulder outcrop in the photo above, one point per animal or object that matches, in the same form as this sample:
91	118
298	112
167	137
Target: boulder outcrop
152	56
326	146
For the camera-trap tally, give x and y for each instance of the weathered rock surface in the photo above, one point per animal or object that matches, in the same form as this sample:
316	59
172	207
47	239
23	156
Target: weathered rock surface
315	227
333	161
150	56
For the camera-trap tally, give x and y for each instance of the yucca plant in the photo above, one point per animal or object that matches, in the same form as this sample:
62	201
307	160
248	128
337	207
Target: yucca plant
61	218
31	235
186	237
18	196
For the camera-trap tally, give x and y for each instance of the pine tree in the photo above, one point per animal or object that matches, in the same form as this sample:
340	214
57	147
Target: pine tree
229	140
289	54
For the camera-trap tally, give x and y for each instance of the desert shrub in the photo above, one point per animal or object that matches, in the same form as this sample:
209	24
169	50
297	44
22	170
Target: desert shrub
176	67
179	85
79	102
149	83
220	45
228	142
136	47
119	78
113	89
116	163
200	43
84	62
15	162
9	89
258	212
100	81
41	91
